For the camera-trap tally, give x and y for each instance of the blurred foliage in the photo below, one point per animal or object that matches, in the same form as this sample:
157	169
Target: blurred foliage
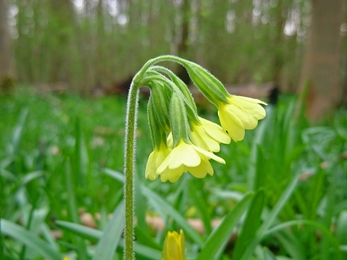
62	156
96	43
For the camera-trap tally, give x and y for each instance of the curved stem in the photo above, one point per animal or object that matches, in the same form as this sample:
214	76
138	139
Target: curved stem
129	153
129	169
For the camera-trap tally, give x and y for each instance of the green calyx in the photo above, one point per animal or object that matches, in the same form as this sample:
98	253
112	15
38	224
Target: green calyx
180	85
178	120
209	85
160	96
158	136
176	85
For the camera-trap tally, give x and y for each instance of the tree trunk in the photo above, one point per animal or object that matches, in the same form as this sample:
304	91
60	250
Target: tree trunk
6	75
322	64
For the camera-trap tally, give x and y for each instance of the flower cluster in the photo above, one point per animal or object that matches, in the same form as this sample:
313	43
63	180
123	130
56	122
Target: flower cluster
182	140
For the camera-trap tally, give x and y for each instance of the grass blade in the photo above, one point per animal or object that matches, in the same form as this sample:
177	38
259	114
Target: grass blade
250	225
201	204
17	132
80	230
94	235
73	210
111	236
27	238
216	242
271	218
155	199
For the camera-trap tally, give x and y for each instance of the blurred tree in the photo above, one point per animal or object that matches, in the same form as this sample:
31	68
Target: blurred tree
62	16
183	39
322	59
278	41
6	75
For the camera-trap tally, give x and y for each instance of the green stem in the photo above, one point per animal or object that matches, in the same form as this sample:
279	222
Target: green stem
129	169
129	154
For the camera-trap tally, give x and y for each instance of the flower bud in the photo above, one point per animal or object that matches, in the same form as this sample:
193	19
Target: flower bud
174	246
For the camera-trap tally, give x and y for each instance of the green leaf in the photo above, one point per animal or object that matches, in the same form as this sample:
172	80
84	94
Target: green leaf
73	210
216	242
326	234
291	244
29	239
80	230
114	174
250	225
147	252
111	236
17	132
200	202
341	227
270	218
94	235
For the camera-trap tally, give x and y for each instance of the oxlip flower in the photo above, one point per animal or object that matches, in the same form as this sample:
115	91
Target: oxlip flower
240	113
154	160
208	135
186	157
174	246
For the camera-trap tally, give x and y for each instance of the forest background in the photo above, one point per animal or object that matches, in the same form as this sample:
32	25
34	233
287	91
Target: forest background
86	45
62	128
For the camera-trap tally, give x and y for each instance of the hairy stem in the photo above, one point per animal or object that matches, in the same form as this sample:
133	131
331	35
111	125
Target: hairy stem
129	169
129	153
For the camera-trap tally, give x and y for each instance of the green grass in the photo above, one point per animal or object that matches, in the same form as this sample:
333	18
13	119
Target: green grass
281	193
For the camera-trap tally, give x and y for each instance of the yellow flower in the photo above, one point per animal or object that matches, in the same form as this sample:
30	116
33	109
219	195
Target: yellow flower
239	114
208	135
154	160
186	158
174	246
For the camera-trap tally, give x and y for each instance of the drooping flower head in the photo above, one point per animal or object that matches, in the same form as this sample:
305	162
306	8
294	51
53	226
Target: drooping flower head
183	141
188	148
236	113
174	246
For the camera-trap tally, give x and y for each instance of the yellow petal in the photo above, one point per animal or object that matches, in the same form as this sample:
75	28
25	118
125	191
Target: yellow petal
209	155
184	154
202	139
215	131
151	167
239	114
172	175
200	171
186	157
250	106
154	160
232	125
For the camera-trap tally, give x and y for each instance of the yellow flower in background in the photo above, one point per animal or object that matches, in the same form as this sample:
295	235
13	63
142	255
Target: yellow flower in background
174	246
154	160
239	114
186	158
208	135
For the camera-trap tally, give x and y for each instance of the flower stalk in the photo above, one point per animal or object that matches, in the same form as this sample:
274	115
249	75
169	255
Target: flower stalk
129	169
183	141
